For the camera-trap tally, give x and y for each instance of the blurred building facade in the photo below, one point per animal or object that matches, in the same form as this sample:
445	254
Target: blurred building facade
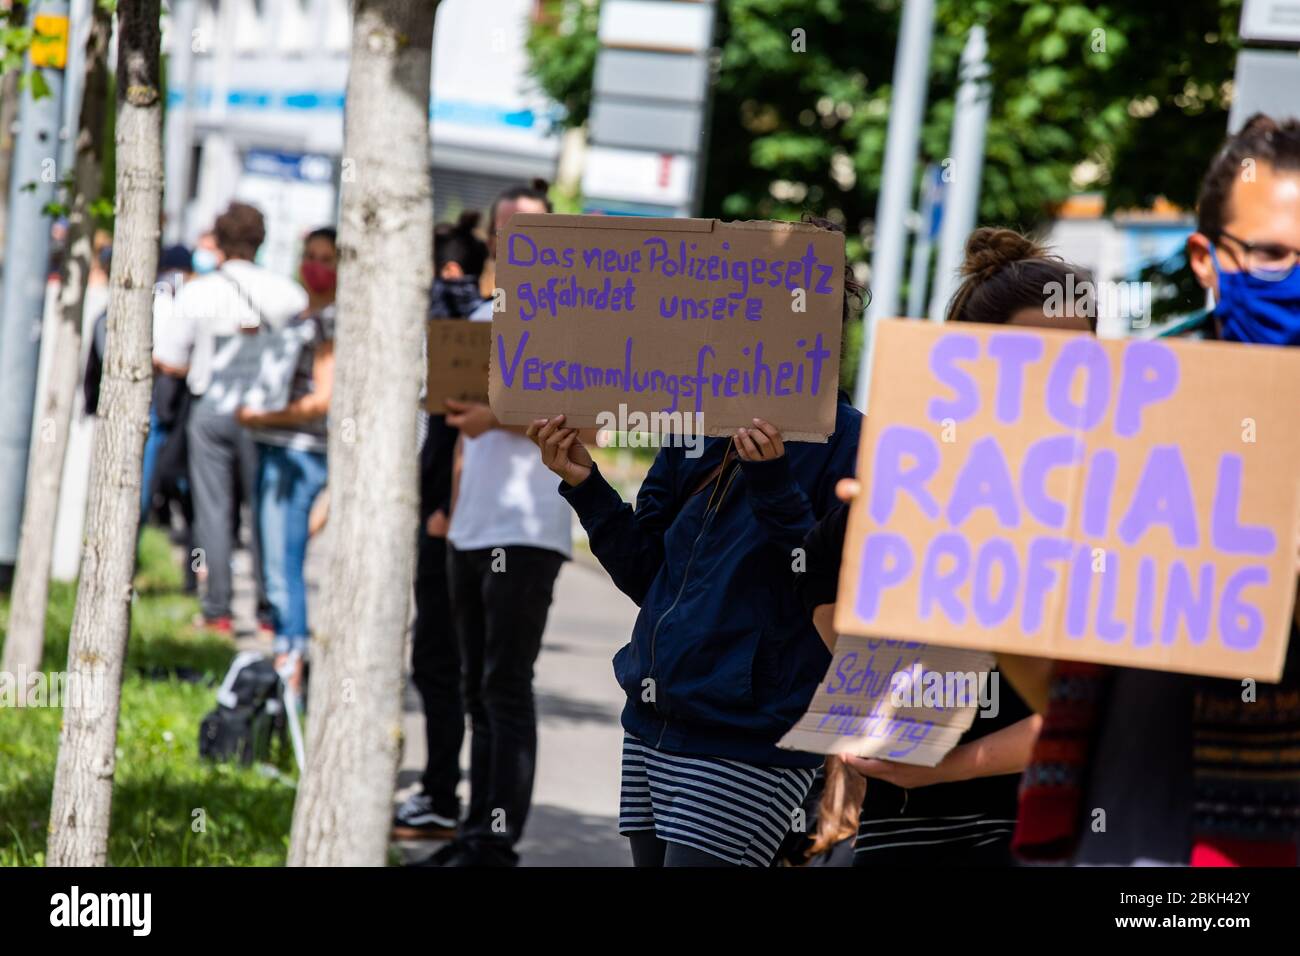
255	111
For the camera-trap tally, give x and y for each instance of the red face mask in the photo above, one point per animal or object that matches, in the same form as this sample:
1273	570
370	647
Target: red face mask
318	277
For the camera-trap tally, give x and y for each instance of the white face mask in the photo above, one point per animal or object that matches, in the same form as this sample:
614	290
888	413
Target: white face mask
204	261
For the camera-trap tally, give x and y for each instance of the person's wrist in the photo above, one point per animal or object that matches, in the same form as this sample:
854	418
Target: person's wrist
575	475
956	765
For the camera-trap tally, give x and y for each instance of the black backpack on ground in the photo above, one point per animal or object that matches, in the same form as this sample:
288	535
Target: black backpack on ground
248	713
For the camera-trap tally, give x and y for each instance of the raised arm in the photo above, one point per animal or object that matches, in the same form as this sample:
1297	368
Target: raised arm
629	544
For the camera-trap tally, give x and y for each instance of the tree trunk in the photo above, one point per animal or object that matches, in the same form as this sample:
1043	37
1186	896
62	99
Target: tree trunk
83	780
9	100
25	641
344	806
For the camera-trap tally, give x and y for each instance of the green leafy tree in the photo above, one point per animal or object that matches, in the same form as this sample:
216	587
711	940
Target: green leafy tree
1128	99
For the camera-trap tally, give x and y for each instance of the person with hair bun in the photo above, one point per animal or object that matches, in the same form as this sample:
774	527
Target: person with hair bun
1187	771
962	811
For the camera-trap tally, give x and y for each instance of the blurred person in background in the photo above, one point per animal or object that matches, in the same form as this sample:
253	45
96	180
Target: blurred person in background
507	542
164	481
291	446
1213	778
434	811
218	315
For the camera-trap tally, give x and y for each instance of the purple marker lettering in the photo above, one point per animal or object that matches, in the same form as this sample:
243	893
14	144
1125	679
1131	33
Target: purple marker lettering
984	482
1228	536
943	358
1040	458
1143	633
1077	597
1077	355
992	609
886	562
1150	376
1240	624
1013	350
1108	628
1182	601
1040	578
1163	496
508	369
940	585
1096	495
890	477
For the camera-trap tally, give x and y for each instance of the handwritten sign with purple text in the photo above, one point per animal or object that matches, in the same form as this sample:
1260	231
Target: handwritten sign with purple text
1124	502
721	321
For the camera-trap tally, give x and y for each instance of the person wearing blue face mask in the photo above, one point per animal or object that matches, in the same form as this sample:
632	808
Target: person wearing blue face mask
1246	249
1211	779
206	257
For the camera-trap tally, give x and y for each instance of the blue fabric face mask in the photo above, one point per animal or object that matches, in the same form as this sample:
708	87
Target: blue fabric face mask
1258	310
204	261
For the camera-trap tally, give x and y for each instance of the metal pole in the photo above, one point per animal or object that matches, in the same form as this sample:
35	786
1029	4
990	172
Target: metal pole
961	204
911	72
919	278
33	186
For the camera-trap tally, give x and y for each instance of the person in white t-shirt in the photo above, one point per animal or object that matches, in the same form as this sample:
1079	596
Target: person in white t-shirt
510	533
223	313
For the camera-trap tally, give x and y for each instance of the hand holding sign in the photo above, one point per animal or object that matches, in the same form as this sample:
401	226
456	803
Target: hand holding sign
562	450
761	443
471	418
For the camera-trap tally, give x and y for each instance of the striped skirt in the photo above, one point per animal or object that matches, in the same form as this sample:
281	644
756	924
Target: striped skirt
738	812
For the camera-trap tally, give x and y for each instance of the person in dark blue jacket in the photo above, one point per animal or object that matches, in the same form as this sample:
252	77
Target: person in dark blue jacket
723	658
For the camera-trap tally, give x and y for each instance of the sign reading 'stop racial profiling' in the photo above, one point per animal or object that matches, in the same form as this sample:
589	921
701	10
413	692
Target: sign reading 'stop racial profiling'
1124	502
674	317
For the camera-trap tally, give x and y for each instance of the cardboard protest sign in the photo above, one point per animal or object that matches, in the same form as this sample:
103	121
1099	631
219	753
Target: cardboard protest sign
1125	502
457	352
895	700
725	322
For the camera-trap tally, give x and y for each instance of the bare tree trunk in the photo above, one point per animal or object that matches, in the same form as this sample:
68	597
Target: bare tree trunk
83	781
9	100
26	638
344	806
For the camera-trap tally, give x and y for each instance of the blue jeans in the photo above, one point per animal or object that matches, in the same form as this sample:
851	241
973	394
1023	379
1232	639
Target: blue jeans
288	481
152	444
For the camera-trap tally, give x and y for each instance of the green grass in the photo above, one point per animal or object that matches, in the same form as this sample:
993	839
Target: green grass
169	808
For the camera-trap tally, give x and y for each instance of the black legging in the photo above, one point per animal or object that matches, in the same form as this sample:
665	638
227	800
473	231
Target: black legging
650	851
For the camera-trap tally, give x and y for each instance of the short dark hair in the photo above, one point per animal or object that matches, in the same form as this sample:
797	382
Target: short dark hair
240	231
328	233
1264	140
1004	272
456	242
536	190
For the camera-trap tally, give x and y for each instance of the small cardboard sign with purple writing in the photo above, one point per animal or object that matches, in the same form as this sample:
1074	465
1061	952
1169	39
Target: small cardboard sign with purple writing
1034	492
722	321
896	700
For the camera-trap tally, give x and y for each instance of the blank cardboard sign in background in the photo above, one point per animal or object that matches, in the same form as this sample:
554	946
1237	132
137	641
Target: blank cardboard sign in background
458	362
753	354
1107	565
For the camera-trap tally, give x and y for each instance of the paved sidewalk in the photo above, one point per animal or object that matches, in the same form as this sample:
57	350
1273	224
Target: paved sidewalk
574	819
